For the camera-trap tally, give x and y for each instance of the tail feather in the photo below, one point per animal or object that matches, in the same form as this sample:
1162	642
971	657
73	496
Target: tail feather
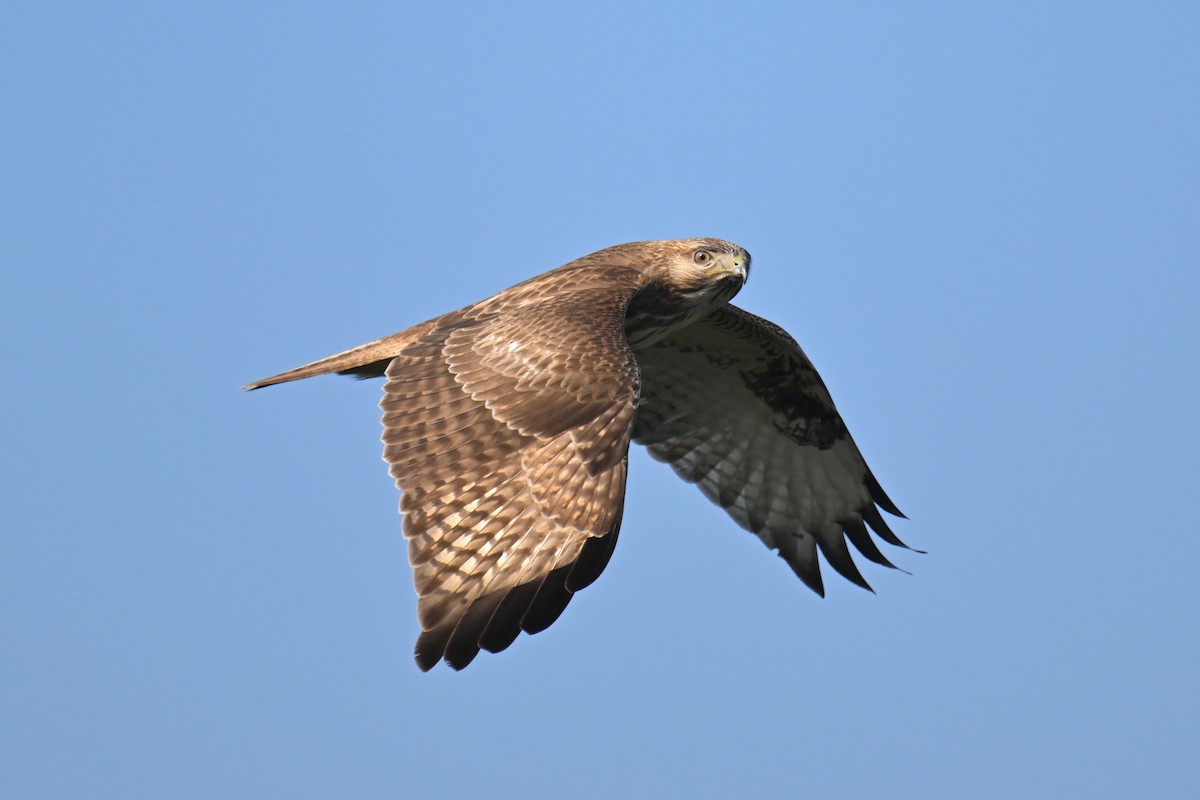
365	361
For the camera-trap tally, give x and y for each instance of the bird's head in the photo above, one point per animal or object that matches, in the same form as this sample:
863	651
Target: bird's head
706	271
705	264
685	280
698	272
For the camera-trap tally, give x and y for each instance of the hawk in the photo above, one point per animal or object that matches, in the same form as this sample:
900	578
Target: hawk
507	426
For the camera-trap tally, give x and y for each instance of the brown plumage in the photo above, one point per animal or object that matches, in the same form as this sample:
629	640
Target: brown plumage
507	426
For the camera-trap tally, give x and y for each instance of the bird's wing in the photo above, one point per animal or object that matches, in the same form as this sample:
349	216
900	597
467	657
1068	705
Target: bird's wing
734	406
508	435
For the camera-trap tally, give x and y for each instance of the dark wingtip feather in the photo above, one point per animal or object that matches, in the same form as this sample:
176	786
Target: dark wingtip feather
592	560
880	497
505	625
550	601
499	635
871	514
463	645
494	642
808	573
860	537
834	548
431	646
459	657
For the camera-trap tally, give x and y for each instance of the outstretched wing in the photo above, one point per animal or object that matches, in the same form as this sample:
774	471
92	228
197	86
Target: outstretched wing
733	405
508	435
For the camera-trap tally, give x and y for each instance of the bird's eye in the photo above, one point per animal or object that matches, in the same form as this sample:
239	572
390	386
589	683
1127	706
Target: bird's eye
702	257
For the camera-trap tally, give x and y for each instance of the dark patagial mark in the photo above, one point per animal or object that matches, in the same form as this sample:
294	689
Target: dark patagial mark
808	419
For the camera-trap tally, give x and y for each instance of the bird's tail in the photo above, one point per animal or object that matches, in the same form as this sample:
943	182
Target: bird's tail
365	361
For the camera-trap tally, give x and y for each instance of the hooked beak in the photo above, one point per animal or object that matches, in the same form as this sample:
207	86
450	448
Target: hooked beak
733	264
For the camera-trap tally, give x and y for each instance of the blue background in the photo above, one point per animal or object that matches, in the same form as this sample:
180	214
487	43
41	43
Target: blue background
979	219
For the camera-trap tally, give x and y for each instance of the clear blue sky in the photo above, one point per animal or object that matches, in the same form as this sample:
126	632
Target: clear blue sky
981	220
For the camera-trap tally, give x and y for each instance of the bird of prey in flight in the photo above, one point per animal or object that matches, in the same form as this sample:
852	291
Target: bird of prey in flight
507	426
